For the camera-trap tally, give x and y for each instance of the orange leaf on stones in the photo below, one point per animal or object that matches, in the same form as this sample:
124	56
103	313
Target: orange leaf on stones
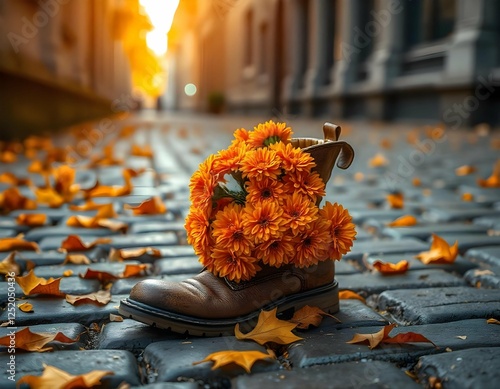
31	219
492	321
26	307
8	156
465	170
440	252
115	317
64	178
492	181
76	259
119	255
114	191
48	196
35	341
396	200
31	284
309	316
379	160
134	270
382	336
349	294
12	179
269	329
152	206
131	270
387	268
107	158
11	244
141	151
245	359
404	221
89	205
101	219
9	265
54	378
101	297
74	243
11	199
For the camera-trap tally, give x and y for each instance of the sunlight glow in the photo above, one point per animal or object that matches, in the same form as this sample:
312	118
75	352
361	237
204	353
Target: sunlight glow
161	14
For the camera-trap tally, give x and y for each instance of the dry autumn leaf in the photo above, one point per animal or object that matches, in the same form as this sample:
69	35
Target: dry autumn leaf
379	160
76	259
64	182
440	252
349	294
131	270
117	318
269	329
31	284
89	205
26	307
467	196
395	200
382	336
101	297
11	244
245	359
9	265
11	199
52	378
113	191
48	196
387	268
403	221
416	181
134	270
8	156
465	170
31	219
492	181
100	220
74	243
492	321
34	341
309	316
119	255
141	151
12	179
152	206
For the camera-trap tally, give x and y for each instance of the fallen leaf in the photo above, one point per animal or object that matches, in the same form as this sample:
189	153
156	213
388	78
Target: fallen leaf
492	321
386	143
89	205
35	341
76	259
462	337
379	160
31	284
382	336
416	181
269	329
99	275
37	142
350	295
8	156
465	170
115	317
26	307
495	144
307	316
74	243
152	206
64	182
440	252
31	219
119	255
12	179
11	199
48	196
133	270
100	220
11	244
404	221
43	168
387	268
101	297
68	273
395	200
245	359
52	377
434	383
107	159
358	176
113	191
9	265
141	151
492	181
467	197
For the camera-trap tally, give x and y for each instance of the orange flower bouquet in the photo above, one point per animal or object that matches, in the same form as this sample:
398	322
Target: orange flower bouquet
256	203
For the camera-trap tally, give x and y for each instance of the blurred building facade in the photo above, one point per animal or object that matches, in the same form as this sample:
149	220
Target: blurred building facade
432	60
60	63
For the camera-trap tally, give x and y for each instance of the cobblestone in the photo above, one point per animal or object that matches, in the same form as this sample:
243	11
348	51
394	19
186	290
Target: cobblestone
448	303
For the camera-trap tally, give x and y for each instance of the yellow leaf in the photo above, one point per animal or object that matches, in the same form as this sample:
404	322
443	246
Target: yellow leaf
245	359
11	244
152	206
349	294
68	273
416	181
9	265
8	156
119	255
11	199
141	151
465	170
74	243
373	339
395	200
115	317
307	316
53	377
492	321
440	252
403	221
467	197
379	160
26	307
33	341
492	181
76	259
31	219
49	196
12	179
390	268
31	284
269	329
89	205
134	270
101	297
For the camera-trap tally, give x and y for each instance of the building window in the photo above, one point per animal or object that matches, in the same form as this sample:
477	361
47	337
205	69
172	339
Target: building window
249	38
365	37
330	14
263	38
428	21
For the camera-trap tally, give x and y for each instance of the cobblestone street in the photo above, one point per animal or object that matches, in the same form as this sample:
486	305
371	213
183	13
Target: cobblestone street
447	303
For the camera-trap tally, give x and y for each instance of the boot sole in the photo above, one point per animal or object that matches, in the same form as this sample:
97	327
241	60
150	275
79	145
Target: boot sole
325	298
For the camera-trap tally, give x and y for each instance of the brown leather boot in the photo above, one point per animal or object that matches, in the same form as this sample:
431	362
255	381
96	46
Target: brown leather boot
208	305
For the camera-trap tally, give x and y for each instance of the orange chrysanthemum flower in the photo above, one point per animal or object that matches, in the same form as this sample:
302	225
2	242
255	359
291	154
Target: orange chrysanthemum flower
228	160
263	190
228	230
267	133
342	230
299	212
235	267
241	135
260	163
197	227
312	245
293	158
309	184
262	221
276	252
203	183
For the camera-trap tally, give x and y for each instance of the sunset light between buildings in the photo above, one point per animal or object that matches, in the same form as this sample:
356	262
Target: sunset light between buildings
161	14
